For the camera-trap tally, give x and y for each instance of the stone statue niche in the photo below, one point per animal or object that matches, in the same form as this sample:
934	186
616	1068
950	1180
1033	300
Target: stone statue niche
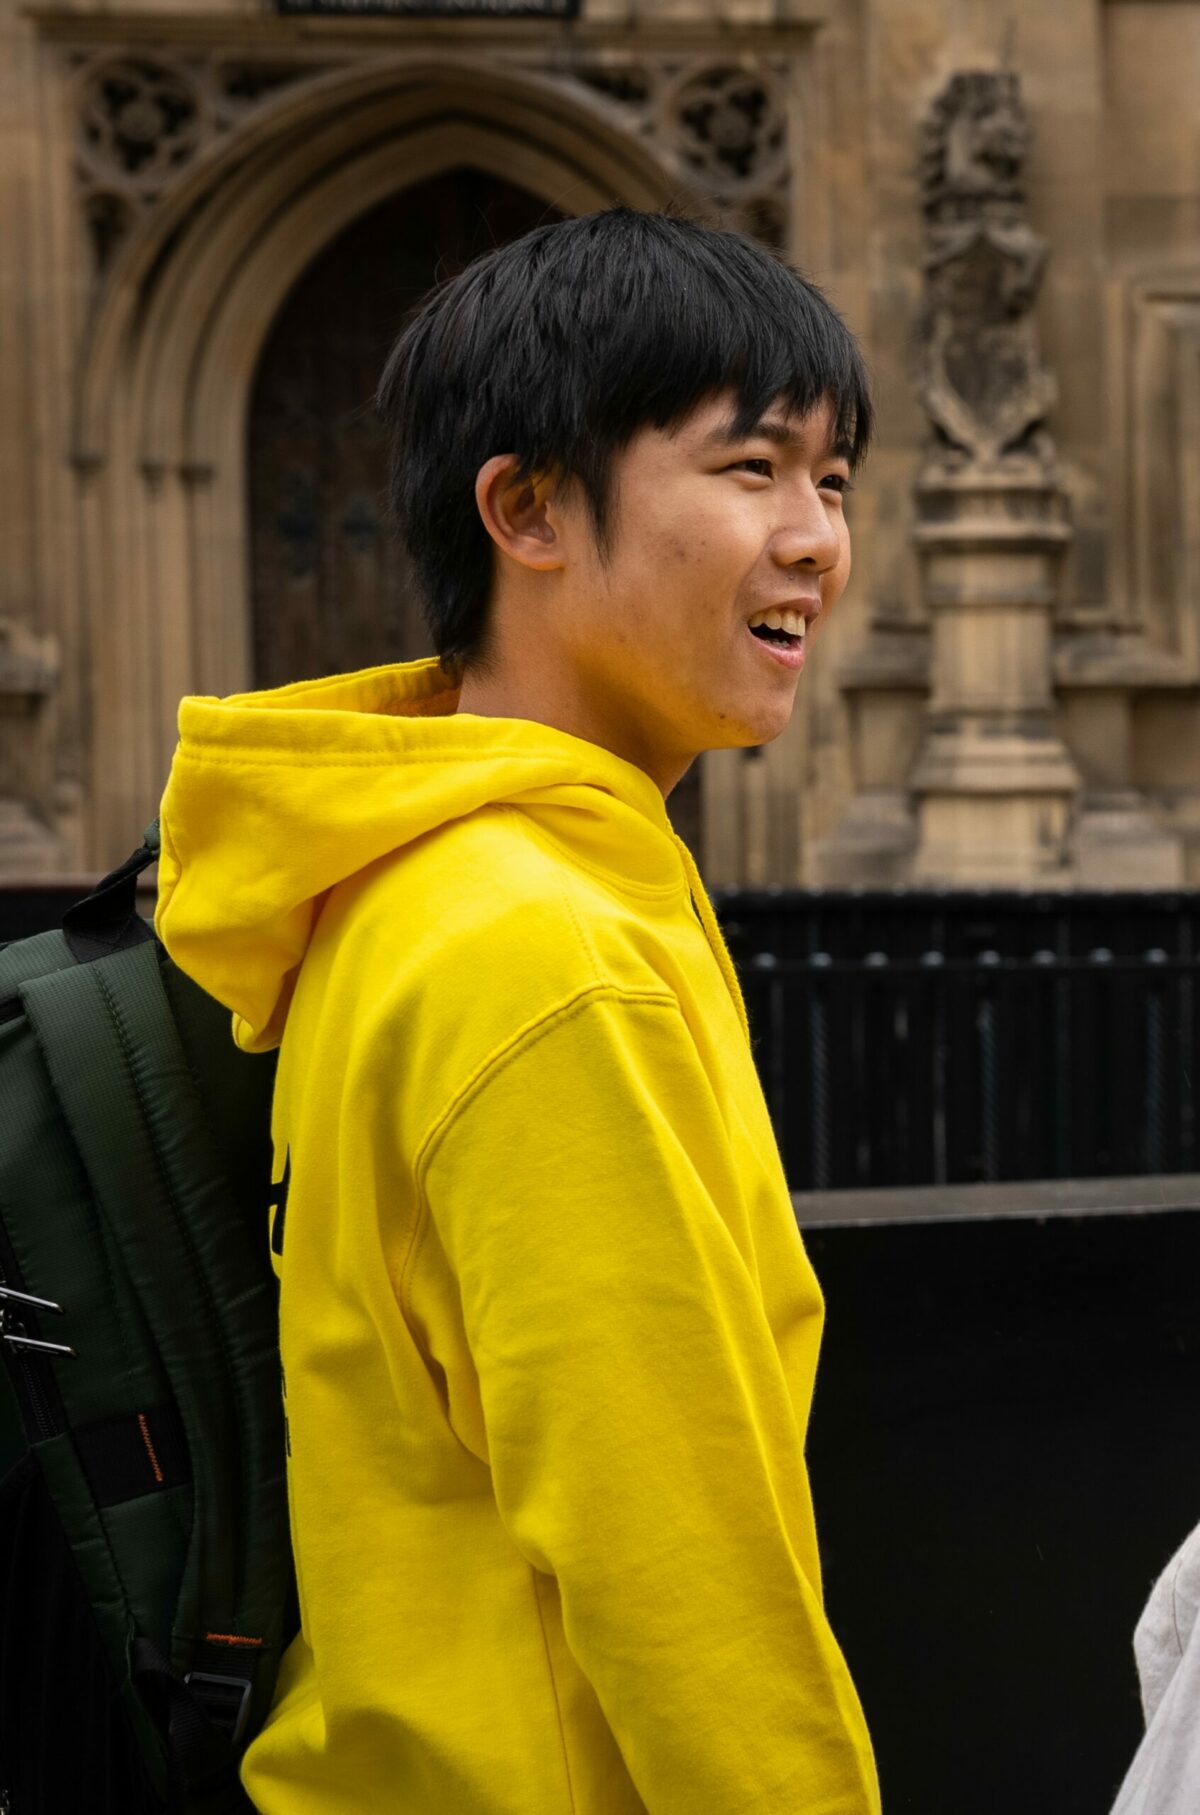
983	384
994	784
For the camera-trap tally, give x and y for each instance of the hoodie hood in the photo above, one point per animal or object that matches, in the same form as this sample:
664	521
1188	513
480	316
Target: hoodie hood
276	797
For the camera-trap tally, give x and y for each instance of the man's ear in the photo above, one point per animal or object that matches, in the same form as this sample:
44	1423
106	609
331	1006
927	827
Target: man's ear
519	516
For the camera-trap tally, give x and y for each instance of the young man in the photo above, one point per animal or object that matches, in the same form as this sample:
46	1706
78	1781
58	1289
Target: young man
547	1325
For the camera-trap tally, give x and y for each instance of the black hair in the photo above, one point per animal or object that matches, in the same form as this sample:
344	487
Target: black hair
559	347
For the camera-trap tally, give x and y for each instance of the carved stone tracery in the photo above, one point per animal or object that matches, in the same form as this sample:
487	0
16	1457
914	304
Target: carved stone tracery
143	117
140	118
723	126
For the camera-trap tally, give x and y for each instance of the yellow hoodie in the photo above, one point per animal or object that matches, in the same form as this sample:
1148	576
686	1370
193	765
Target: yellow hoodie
547	1325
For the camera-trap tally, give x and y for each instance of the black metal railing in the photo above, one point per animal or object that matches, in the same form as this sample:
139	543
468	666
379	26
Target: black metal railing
914	1038
949	1065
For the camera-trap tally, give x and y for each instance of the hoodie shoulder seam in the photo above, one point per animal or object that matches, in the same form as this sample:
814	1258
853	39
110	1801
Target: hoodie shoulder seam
521	1041
489	1068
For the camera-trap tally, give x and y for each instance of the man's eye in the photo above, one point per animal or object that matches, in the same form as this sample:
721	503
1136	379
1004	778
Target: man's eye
766	469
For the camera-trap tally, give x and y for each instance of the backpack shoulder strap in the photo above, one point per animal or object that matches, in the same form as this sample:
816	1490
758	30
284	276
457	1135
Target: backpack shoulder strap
120	1073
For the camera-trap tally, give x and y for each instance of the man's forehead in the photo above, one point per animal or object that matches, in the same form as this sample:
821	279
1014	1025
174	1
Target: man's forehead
714	425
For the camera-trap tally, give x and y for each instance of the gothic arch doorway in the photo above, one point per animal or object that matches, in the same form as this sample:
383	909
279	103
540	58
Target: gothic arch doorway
331	588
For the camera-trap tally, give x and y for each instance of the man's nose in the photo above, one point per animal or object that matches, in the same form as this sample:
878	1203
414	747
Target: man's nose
810	536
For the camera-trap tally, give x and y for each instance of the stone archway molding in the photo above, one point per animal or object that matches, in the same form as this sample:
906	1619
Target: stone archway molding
165	384
321	121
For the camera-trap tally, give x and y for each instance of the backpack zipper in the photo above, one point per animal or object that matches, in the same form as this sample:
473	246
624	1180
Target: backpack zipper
38	1397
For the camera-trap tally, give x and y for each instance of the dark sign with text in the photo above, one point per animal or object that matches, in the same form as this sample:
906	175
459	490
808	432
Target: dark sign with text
438	9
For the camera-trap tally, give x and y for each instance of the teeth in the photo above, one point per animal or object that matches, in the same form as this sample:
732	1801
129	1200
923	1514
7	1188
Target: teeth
793	622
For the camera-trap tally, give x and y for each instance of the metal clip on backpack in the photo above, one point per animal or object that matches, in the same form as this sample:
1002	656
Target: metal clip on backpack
146	1579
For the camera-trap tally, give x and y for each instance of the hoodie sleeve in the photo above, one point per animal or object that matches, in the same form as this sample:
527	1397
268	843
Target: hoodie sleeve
643	1441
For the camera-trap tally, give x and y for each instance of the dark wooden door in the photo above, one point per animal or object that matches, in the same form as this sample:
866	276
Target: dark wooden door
331	587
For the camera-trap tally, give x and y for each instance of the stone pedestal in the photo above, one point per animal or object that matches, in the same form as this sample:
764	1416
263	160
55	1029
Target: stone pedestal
994	782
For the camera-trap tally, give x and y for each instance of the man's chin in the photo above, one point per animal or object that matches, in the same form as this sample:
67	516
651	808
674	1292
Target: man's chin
748	737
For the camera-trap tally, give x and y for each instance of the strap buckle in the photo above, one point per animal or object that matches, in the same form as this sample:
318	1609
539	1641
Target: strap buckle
225	1700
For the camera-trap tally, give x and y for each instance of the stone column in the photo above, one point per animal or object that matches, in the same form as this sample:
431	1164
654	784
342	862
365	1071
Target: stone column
994	782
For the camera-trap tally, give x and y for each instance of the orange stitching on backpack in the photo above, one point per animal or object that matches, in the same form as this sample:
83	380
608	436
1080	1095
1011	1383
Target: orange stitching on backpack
230	1638
158	1474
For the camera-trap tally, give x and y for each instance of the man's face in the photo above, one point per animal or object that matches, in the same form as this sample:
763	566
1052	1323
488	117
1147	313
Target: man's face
707	531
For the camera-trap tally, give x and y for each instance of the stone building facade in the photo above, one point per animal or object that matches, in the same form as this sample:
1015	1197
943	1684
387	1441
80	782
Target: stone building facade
214	212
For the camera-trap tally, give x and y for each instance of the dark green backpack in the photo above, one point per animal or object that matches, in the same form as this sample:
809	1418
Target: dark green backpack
146	1579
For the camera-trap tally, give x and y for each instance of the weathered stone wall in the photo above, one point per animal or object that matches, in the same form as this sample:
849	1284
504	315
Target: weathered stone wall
148	234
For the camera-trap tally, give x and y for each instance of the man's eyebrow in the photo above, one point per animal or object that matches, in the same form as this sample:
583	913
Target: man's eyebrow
782	433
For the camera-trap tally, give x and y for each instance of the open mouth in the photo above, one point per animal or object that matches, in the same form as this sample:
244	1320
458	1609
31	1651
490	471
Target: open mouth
786	639
785	627
783	632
